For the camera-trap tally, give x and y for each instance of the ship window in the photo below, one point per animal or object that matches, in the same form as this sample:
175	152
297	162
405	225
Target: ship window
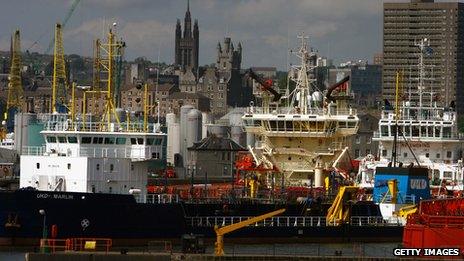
120	141
111	190
69	165
51	139
86	140
430	131
447	174
111	167
72	139
281	125
132	166
289	125
158	141
273	125
37	165
140	141
449	154
61	139
446	132
98	166
437	132
97	140
351	124
109	140
415	131
93	188
133	141
384	130
407	131
149	141
423	131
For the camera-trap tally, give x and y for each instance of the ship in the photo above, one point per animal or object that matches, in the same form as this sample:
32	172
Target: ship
90	178
427	135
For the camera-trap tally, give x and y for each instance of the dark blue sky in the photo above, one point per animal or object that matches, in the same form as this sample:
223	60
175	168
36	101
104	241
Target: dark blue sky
340	29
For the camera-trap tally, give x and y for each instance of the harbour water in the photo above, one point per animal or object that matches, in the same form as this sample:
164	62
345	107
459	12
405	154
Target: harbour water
322	250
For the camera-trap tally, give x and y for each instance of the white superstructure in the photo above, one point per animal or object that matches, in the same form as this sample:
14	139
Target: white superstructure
428	134
304	136
91	157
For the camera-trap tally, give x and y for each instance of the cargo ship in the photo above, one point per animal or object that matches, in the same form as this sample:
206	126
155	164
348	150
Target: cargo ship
90	177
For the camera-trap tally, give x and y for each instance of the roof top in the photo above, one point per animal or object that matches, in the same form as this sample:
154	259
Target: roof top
217	143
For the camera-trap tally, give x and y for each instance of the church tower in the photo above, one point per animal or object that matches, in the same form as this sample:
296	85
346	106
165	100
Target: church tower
187	43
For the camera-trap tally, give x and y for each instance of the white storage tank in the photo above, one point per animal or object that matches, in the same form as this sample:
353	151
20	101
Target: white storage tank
173	139
184	110
206	119
193	131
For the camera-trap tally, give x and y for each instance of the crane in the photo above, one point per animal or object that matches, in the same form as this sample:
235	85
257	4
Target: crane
266	84
63	24
60	83
221	231
15	98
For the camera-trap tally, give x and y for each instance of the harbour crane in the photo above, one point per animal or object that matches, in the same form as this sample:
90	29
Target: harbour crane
15	98
221	231
65	21
60	82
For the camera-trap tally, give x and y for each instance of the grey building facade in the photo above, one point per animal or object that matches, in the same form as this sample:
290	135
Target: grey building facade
362	143
442	24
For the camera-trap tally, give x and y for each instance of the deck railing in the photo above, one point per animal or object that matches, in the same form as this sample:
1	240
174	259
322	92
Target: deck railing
288	221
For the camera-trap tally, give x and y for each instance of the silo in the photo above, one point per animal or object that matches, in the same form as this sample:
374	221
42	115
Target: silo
238	135
193	131
173	142
206	119
184	110
219	131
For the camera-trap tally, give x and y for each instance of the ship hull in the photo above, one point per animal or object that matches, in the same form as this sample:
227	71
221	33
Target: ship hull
127	222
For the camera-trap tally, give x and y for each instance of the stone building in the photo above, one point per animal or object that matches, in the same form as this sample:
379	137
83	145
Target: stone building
362	143
213	86
214	157
405	24
187	43
178	99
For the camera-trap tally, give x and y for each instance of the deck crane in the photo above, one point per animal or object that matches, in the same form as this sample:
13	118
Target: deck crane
221	231
266	84
15	98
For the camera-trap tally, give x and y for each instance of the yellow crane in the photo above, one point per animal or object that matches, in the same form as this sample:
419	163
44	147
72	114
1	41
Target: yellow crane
15	98
60	82
221	231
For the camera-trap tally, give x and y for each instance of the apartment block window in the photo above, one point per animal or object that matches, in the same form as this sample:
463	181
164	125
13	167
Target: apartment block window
427	155
368	151
405	155
358	140
384	153
369	140
438	155
356	153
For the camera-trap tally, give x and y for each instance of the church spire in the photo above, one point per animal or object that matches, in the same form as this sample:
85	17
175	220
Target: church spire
187	22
